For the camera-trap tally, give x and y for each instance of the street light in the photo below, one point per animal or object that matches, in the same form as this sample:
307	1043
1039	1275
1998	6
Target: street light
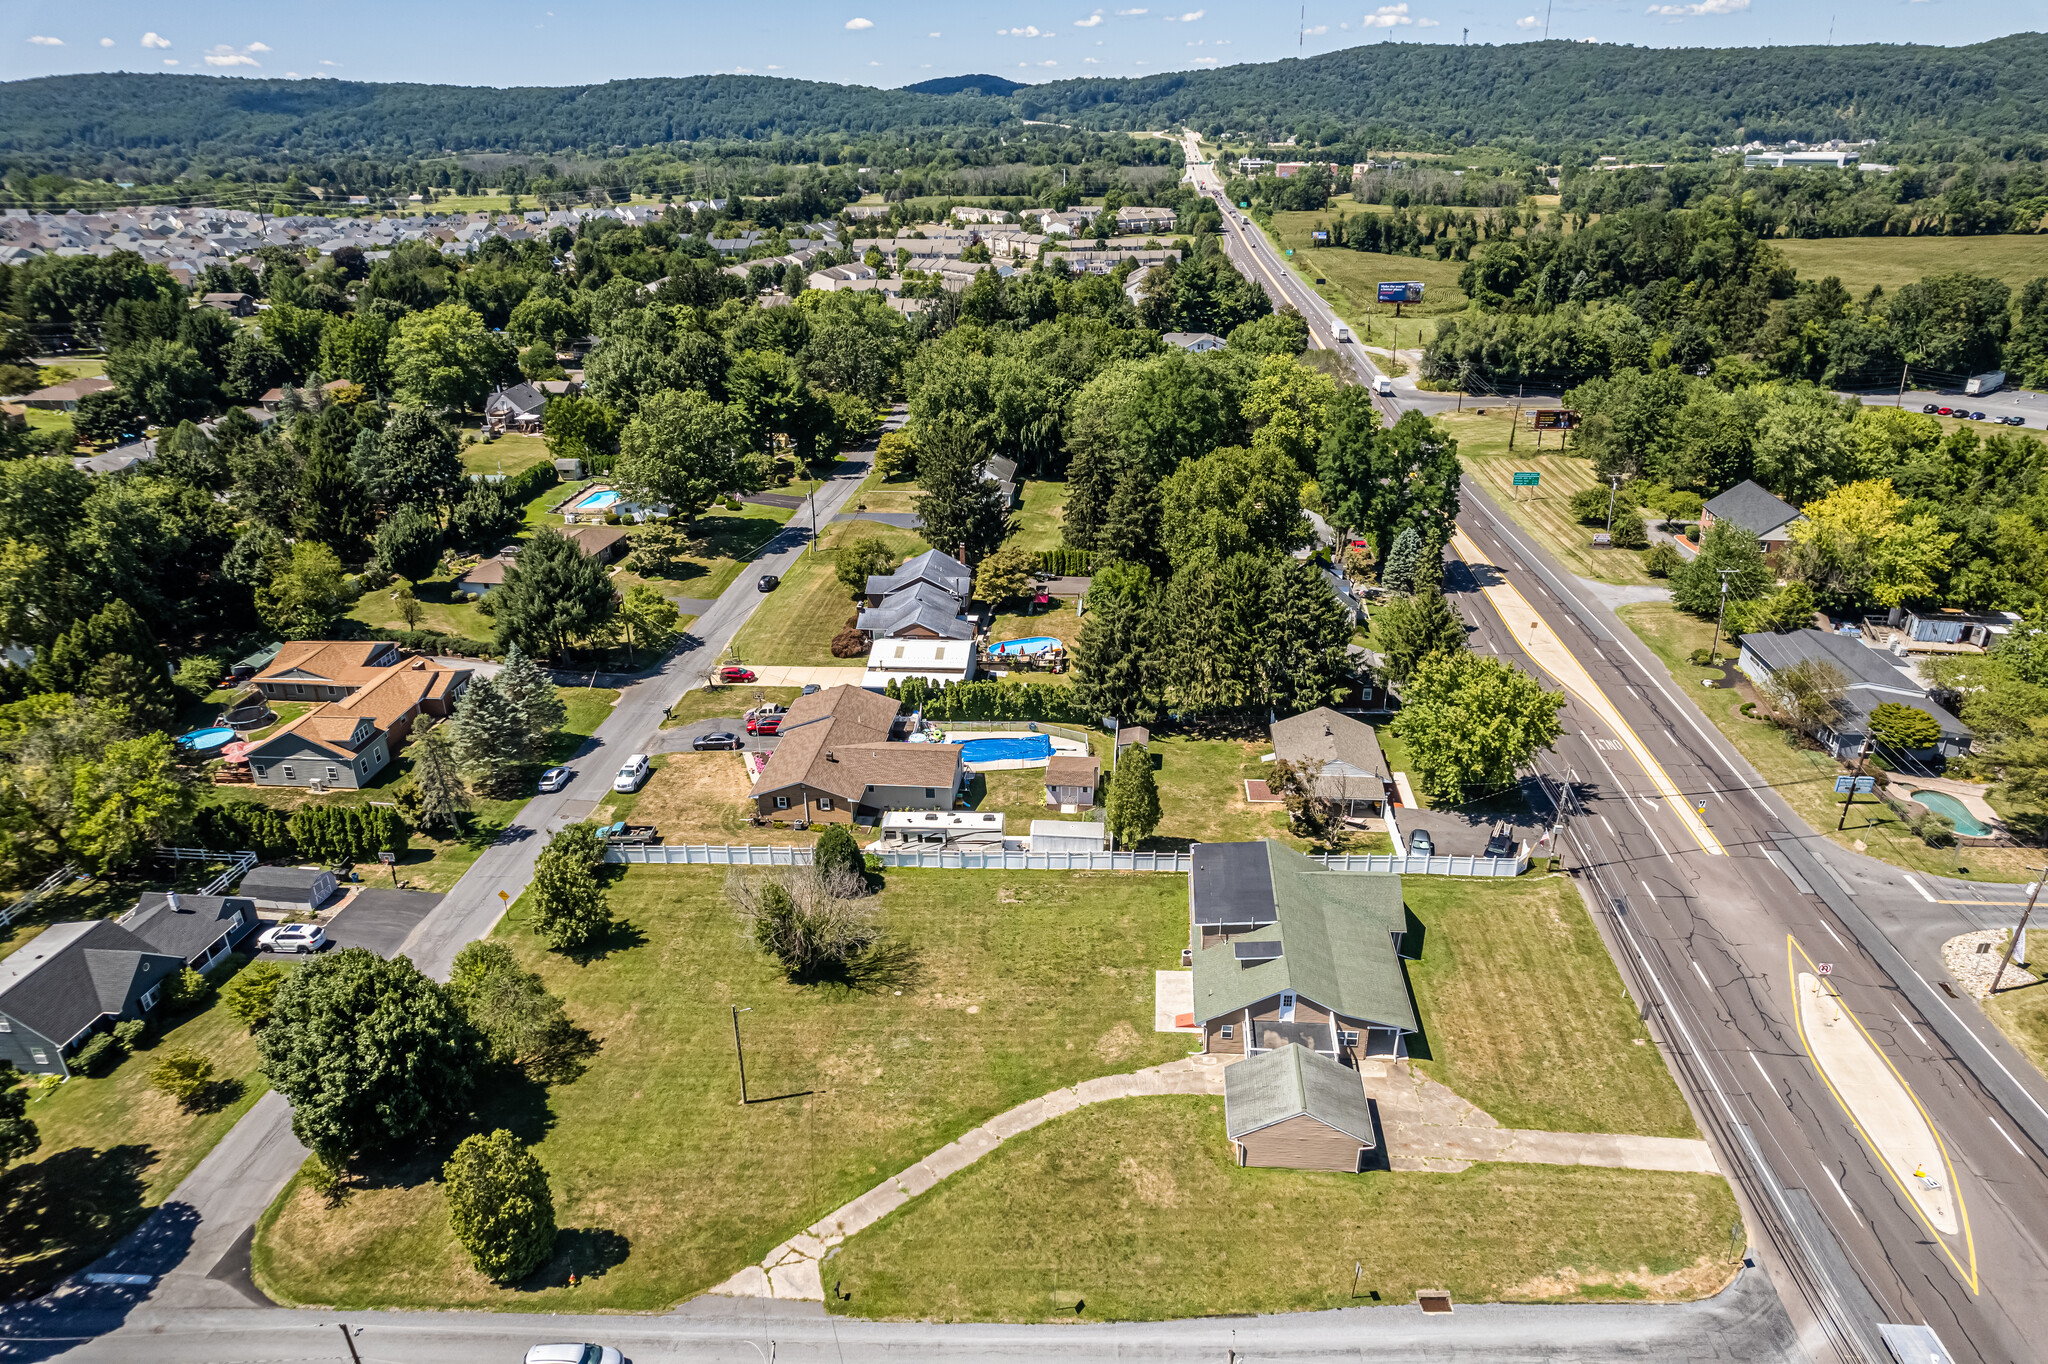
1613	488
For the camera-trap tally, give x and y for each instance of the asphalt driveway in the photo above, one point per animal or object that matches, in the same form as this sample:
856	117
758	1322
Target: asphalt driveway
679	739
380	920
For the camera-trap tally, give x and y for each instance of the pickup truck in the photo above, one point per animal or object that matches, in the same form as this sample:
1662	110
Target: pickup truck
622	833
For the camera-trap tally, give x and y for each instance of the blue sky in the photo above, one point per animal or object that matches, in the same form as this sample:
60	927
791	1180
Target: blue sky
555	42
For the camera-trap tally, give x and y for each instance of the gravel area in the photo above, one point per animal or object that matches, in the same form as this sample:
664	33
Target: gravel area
1973	960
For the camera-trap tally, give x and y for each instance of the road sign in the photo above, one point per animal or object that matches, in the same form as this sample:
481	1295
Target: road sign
1826	968
1527	480
1401	291
1865	785
1844	785
503	896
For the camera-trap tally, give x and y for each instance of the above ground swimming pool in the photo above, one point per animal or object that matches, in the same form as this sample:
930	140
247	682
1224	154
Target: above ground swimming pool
1036	746
199	740
1957	813
597	501
1036	645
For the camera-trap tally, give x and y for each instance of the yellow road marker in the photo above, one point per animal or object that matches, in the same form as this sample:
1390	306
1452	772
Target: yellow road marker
1541	643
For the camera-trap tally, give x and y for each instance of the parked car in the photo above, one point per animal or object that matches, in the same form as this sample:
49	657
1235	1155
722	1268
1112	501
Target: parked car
2015	421
764	721
724	738
1931	408
767	582
555	778
733	672
1500	845
300	938
1942	411
574	1354
1420	844
632	773
810	687
1976	416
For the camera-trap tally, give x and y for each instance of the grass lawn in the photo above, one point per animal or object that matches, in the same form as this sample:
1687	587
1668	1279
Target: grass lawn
438	610
707	703
112	1149
1038	520
508	454
1523	1013
880	494
1019	619
698	798
1865	262
1352	278
1545	510
2023	1013
1804	776
40	420
1134	1210
1018	983
797	622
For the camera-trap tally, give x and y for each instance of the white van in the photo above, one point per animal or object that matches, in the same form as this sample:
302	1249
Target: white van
632	774
1383	386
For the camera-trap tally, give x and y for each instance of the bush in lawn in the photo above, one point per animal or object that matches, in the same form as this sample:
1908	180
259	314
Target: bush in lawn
520	1022
129	1032
568	904
1900	726
1936	831
99	1055
1663	559
836	852
186	991
499	1205
817	923
372	1055
1590	505
850	643
18	1135
252	994
858	560
1629	530
183	1074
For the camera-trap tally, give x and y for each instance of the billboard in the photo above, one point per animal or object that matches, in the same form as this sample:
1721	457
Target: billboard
1555	419
1319	237
1401	291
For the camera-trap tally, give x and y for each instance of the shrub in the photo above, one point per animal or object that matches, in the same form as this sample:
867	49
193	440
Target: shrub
499	1205
1701	657
435	642
102	1053
528	484
816	922
239	824
200	674
183	1074
1662	560
186	991
836	852
1590	505
252	994
850	643
1629	531
1066	562
129	1032
1904	727
1936	831
732	504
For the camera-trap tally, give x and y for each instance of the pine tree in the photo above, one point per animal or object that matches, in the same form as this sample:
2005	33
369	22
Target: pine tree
1398	573
488	736
957	507
434	776
568	905
499	1205
1412	630
1133	800
335	502
534	703
1116	657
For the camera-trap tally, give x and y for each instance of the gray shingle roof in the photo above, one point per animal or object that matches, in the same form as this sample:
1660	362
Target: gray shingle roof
1872	679
933	566
1335	930
193	925
1753	507
70	974
281	883
1354	768
1289	1082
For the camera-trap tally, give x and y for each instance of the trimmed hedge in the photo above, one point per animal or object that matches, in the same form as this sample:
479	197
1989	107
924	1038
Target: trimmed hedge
1068	563
435	642
522	487
235	825
996	699
346	833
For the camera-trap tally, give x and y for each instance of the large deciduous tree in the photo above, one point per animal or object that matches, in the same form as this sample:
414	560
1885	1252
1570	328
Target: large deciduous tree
568	906
1470	723
446	358
414	460
1378	481
682	449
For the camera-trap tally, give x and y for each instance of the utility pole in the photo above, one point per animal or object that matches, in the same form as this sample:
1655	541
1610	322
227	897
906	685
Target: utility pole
1613	490
740	1051
2033	894
1720	615
1861	754
1904	370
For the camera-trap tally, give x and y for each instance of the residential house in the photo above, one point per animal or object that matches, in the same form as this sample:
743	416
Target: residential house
1294	1108
68	982
1288	952
1071	780
1134	284
1144	220
64	397
1068	835
296	890
833	760
200	929
1198	342
1872	679
518	408
233	304
369	696
934	568
1755	509
840	276
938	661
918	612
1354	770
118	460
606	544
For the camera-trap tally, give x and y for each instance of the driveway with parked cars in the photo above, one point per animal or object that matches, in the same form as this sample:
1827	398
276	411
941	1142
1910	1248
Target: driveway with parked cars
683	738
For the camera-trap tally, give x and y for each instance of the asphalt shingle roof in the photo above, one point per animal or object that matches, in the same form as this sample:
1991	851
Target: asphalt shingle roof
1289	1082
1753	507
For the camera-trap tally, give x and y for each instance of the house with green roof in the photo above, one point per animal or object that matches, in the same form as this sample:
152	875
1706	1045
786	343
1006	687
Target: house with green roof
1286	952
1298	1110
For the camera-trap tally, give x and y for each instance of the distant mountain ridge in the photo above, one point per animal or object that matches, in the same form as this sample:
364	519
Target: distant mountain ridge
1547	93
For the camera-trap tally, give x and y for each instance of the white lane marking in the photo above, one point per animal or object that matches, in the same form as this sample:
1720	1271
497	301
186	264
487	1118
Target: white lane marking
1646	888
1845	1198
1836	936
1978	1040
1610	830
1701	974
1761	1071
1912	881
1909	1024
2001	1132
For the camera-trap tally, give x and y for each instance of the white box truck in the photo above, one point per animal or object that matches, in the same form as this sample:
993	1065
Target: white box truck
1383	386
1340	331
1981	384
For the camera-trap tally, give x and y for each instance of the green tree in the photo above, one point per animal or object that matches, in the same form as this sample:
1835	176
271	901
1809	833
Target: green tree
251	994
255	366
1398	573
536	705
499	1206
416	459
680	450
858	560
188	455
1471	723
484	519
1696	588
371	1054
552	596
1899	726
1789	608
1418	627
1004	574
1377	481
165	379
490	737
129	800
183	1074
1858	543
409	543
337	506
1231	501
357	347
1116	658
2026	354
306	594
960	510
1132	802
576	426
569	906
520	1022
1663	560
836	854
1956	322
437	780
18	1135
648	618
446	358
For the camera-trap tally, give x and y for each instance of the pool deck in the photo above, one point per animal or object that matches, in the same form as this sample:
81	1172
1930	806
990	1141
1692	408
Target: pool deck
1970	795
1061	747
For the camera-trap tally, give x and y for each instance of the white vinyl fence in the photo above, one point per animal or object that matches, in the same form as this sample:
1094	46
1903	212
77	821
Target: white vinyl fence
775	855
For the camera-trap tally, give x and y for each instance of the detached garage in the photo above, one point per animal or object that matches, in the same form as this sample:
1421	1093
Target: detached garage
292	889
1294	1109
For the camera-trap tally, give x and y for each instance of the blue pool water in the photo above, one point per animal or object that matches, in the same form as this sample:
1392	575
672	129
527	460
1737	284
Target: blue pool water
596	501
1942	803
996	750
203	739
1036	645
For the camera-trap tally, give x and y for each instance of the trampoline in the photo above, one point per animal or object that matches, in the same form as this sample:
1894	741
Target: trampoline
1023	749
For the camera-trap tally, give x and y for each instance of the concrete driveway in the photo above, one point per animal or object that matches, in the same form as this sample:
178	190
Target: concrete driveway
679	739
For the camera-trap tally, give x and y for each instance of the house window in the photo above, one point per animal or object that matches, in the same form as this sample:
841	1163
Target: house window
782	802
1229	1031
1347	1037
1287	1007
931	792
824	802
260	770
331	773
39	1056
288	773
148	1000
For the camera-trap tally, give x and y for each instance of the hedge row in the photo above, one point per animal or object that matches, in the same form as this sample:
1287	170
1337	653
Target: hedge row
434	642
528	484
238	825
346	833
996	699
1068	563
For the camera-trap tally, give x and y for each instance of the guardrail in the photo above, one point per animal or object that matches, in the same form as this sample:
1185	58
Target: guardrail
939	859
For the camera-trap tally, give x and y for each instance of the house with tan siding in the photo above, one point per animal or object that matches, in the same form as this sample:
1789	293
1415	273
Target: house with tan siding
834	760
1296	1109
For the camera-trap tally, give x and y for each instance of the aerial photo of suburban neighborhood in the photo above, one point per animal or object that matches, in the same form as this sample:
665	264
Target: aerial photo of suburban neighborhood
678	690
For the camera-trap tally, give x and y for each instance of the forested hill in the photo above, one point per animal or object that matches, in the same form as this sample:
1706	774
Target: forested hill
1551	94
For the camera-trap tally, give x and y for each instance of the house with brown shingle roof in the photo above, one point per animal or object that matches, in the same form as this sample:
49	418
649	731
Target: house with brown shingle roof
368	694
833	760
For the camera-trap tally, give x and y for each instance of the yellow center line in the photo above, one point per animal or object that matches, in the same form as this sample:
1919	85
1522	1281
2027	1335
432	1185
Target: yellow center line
1968	1274
1543	646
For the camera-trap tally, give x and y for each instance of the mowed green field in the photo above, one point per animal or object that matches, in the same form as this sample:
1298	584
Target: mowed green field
1863	262
1351	279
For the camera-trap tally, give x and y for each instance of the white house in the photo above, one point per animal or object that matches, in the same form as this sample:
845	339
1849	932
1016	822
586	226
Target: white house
938	661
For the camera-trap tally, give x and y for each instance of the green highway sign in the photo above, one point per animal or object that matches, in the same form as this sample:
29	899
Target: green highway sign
1527	480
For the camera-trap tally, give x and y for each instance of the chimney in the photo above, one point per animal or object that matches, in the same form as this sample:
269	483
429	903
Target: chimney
176	908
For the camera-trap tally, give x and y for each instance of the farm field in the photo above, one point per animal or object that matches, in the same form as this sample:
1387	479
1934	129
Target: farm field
1864	263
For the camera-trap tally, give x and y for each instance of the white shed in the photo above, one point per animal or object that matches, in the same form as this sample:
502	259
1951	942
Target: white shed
1068	835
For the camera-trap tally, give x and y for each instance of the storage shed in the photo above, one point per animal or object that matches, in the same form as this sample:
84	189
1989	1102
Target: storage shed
293	889
1291	1108
1071	779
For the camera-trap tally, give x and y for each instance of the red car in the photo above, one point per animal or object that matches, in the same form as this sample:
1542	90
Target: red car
732	672
1943	411
764	724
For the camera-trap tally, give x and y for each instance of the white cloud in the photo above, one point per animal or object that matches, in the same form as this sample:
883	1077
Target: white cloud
1528	21
325	62
1187	18
1091	61
170	61
1345	27
1705	7
1205	61
1225	42
773	67
40	41
1125	13
858	24
224	55
1317	31
106	42
777	68
1425	23
1048	63
1090	22
1388	16
1028	31
155	40
931	35
256	47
